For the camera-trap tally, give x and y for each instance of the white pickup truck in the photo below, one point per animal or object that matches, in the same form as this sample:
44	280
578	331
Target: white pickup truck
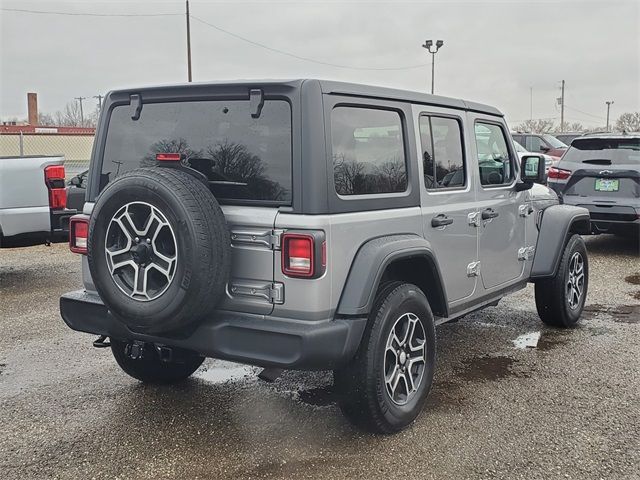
33	199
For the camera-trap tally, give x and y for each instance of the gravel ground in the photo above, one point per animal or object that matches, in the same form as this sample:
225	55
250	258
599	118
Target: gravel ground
567	408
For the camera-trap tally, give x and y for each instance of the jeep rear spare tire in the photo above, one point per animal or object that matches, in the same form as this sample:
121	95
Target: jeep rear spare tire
159	249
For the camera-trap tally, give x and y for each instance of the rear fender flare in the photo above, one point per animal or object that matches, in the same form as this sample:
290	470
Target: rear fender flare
370	264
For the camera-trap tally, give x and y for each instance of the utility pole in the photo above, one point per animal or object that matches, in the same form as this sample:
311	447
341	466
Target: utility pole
531	102
188	43
562	108
80	99
428	44
609	103
99	98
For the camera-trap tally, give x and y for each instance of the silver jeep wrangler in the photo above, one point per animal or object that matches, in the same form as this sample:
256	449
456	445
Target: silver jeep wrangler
312	225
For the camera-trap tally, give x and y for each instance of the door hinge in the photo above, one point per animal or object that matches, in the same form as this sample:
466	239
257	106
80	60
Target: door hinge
271	292
275	239
525	253
474	219
525	210
267	238
473	269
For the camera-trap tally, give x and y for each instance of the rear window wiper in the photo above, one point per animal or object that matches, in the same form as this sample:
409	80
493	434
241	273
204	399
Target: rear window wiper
598	161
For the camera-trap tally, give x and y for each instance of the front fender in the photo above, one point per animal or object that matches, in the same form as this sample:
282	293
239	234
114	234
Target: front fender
370	263
557	224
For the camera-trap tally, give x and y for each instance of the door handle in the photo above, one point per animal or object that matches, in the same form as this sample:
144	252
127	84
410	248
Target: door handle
489	213
441	220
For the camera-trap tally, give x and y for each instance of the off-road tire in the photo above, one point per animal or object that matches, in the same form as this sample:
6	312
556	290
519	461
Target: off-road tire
551	294
361	387
203	249
150	369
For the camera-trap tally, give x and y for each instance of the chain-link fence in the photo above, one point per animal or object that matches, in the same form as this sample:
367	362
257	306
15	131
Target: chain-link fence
76	148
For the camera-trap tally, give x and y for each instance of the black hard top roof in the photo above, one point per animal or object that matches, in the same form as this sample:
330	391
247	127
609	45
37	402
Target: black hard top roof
343	88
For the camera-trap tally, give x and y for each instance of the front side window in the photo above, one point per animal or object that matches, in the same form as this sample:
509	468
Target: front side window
536	144
442	153
494	161
244	158
368	151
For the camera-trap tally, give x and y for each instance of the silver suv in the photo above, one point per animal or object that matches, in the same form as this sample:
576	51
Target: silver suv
312	225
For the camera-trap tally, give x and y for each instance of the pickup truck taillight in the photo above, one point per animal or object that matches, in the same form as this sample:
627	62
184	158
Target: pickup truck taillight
558	173
54	179
79	234
303	254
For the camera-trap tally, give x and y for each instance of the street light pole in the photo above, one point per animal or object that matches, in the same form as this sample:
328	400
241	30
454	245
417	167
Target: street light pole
80	99
609	103
188	43
433	49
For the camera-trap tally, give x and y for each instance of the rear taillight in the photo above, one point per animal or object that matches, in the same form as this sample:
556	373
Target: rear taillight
558	173
54	179
303	254
79	234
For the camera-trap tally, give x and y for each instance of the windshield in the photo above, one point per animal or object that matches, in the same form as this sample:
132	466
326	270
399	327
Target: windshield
519	148
612	151
244	158
553	141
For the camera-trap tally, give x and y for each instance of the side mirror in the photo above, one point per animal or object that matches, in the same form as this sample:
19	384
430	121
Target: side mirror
75	181
532	170
544	148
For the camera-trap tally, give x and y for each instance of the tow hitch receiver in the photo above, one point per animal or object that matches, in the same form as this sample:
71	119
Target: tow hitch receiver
134	350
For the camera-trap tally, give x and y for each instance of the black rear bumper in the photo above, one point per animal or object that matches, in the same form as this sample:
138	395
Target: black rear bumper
254	339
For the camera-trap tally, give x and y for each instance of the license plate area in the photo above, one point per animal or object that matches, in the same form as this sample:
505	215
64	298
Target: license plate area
607	185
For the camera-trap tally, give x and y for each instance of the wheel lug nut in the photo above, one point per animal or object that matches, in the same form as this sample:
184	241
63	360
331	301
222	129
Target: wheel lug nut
148	240
136	239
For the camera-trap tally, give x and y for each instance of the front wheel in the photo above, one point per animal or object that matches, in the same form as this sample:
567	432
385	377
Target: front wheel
560	299
385	386
150	368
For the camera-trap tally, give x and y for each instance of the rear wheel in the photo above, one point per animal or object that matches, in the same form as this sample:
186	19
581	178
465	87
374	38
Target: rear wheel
150	368
385	386
560	299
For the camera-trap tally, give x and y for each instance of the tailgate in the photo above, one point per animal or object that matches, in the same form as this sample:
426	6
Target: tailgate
612	186
251	287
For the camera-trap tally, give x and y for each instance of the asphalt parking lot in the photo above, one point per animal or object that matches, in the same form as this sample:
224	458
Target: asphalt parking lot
569	407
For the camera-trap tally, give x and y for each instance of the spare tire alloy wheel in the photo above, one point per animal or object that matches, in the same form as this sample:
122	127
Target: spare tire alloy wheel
141	251
404	358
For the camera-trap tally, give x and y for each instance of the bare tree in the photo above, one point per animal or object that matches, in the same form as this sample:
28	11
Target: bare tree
539	125
570	127
628	122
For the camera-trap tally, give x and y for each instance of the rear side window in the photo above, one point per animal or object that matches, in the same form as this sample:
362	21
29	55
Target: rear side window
368	151
494	161
442	153
244	158
604	151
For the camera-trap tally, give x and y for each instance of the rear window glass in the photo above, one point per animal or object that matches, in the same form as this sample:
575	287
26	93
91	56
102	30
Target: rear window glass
604	151
244	158
368	151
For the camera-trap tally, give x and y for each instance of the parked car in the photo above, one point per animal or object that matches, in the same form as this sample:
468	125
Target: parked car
32	199
568	137
548	159
305	225
602	173
76	191
541	143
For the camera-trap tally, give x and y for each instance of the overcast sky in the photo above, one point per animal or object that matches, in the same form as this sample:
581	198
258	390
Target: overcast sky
494	52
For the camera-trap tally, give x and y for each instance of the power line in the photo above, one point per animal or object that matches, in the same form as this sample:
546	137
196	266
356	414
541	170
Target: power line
84	14
585	113
300	57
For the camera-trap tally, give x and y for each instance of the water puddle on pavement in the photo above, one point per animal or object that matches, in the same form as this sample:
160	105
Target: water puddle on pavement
618	313
488	368
633	279
319	397
222	372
